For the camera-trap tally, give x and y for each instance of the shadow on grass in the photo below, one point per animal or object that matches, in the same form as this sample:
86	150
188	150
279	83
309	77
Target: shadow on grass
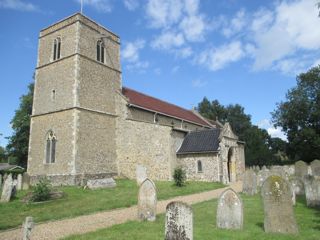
260	225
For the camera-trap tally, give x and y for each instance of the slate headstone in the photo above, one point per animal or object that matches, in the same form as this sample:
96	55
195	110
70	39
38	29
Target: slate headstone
315	168
19	182
179	221
312	191
300	169
147	201
250	182
278	209
141	174
27	228
229	210
101	183
7	189
25	181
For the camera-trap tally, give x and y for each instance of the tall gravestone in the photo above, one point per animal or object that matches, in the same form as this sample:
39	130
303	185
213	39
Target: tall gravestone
27	228
249	182
19	182
7	189
262	175
179	221
25	181
230	210
300	169
147	201
312	191
278	210
315	168
297	185
141	174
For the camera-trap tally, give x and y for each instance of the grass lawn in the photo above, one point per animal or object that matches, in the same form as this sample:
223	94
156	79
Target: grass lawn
80	202
205	225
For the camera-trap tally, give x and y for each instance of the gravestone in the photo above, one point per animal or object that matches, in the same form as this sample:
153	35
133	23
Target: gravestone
297	185
293	195
278	171
312	191
264	168
141	174
315	168
19	182
278	210
5	177
262	176
7	189
25	181
230	210
249	182
101	183
27	228
179	221
0	180
147	201
300	169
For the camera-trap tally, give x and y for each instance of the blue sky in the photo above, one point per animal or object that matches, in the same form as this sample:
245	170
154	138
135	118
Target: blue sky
237	51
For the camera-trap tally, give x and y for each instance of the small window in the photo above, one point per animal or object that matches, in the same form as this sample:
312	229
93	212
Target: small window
51	148
199	166
56	49
53	96
100	51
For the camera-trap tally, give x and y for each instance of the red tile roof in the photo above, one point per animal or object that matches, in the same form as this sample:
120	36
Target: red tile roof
150	103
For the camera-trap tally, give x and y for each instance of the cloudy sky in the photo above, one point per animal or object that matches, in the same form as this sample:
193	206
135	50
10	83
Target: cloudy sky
237	51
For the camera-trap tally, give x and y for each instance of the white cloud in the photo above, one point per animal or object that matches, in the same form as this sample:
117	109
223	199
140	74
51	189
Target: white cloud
218	58
130	52
168	40
272	131
131	5
236	24
104	6
139	66
193	28
198	83
18	5
183	52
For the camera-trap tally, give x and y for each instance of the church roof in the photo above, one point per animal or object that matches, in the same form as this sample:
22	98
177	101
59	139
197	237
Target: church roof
201	142
149	103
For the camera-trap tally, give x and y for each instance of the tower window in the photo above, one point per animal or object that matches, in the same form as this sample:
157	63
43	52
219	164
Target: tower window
100	51
51	148
199	165
53	94
56	49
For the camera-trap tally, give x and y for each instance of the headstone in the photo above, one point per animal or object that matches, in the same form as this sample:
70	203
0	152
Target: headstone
25	181
5	177
179	222
19	182
249	182
264	167
7	189
141	174
101	183
293	195
230	210
278	210
262	175
297	185
0	180
312	190
278	171
27	228
147	201
315	168
300	169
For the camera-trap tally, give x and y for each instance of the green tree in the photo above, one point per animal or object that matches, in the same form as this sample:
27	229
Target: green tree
2	154
17	147
299	116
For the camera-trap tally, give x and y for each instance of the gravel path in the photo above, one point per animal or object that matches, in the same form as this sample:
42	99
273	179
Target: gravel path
87	223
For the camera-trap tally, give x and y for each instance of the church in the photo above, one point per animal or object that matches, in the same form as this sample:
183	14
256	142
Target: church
86	125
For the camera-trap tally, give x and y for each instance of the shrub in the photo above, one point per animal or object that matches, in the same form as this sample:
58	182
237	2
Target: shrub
41	191
179	177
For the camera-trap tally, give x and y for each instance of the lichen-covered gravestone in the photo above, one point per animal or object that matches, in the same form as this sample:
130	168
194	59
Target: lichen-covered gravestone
297	185
179	222
141	174
300	169
25	181
230	210
278	210
27	228
250	182
147	201
315	168
312	190
7	189
19	182
262	176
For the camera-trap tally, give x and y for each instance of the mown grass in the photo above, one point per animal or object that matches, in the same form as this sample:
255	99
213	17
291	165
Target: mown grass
205	225
80	202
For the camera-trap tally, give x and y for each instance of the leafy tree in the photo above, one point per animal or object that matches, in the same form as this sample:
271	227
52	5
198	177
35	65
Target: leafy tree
2	154
17	147
299	116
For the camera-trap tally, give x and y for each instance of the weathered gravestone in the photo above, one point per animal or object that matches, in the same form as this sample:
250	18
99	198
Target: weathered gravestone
5	177
27	228
141	174
297	185
179	222
264	167
315	168
312	190
25	181
278	171
230	210
101	183
293	195
147	201
300	169
278	210
250	182
7	189
0	180
262	176
19	182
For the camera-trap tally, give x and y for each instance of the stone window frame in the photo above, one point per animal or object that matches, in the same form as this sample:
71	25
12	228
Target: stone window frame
199	166
50	148
100	51
56	49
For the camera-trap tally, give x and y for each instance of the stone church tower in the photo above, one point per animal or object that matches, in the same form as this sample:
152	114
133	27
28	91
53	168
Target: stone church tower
73	120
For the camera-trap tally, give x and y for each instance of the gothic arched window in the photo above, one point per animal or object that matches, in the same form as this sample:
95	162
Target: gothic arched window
199	165
51	147
100	51
56	49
